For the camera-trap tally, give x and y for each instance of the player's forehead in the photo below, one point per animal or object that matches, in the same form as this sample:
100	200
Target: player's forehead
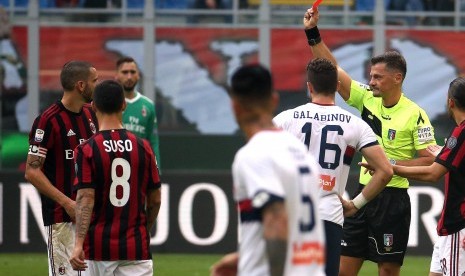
379	69
128	66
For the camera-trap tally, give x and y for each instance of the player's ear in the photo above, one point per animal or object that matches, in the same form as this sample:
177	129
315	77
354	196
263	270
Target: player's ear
123	108
274	100
338	85
310	90
93	106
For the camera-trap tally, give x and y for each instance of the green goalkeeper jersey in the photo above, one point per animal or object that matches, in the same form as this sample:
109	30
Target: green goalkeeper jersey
140	118
401	130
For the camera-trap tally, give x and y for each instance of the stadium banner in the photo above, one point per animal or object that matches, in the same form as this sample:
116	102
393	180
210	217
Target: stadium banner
197	215
193	65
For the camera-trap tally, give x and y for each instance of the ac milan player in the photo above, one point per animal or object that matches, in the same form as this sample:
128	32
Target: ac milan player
118	194
275	186
50	165
449	250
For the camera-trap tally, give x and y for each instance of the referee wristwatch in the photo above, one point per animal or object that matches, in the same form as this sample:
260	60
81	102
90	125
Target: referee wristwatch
392	161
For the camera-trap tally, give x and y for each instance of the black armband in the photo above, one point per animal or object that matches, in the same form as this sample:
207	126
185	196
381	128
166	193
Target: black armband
313	36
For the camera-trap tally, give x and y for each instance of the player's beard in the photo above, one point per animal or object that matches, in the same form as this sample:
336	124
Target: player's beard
129	88
87	94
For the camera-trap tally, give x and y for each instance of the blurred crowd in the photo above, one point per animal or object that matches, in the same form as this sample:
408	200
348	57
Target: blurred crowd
356	5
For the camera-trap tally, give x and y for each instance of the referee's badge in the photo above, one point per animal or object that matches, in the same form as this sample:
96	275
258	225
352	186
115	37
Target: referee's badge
388	241
391	134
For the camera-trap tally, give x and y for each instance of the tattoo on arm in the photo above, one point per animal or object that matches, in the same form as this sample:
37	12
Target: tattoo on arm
85	216
35	162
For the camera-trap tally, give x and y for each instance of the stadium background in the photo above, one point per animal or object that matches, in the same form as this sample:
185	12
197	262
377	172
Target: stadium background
186	68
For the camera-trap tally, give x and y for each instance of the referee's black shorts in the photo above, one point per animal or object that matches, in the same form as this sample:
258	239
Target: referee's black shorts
379	231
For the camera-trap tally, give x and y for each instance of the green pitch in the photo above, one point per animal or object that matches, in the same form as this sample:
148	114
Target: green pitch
178	264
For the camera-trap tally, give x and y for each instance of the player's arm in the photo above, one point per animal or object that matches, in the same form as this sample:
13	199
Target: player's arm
274	219
227	266
382	174
424	158
153	206
431	173
84	205
320	50
36	177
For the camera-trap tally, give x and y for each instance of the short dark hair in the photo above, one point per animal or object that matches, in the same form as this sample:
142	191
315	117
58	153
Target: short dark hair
252	82
457	92
74	71
393	60
109	97
322	74
124	60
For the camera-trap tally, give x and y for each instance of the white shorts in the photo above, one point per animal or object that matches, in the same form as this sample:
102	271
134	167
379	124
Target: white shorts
60	246
449	255
118	268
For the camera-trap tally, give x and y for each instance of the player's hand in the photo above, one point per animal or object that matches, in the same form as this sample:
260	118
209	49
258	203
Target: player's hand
348	207
70	209
311	18
77	259
434	150
368	168
227	266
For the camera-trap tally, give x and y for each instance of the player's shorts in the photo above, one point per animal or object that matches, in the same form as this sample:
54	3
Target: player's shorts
333	232
119	268
449	255
379	231
60	245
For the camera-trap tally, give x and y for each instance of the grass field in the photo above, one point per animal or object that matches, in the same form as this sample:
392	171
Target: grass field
177	264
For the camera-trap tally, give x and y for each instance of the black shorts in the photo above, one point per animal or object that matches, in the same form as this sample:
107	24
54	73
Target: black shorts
333	233
379	231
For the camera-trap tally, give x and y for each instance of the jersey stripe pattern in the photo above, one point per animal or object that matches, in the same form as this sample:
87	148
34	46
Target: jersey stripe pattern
275	166
54	135
452	156
332	135
121	168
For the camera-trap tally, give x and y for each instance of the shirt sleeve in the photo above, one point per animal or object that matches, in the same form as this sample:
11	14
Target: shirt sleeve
41	137
154	182
424	131
83	168
358	92
152	131
451	155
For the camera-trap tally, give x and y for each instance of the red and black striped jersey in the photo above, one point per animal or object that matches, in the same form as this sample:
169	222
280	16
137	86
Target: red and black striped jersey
54	135
121	168
452	157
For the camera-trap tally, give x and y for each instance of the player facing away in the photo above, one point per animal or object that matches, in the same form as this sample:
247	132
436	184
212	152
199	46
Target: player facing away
379	231
118	194
50	165
275	187
449	250
139	117
333	135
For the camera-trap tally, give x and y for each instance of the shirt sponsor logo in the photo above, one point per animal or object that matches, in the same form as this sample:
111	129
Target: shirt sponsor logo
425	134
327	182
307	253
391	134
451	142
144	111
39	135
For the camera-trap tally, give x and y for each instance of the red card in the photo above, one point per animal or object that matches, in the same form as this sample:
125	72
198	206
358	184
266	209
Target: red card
315	5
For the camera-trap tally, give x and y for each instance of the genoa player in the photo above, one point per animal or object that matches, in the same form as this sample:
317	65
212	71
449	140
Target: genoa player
276	189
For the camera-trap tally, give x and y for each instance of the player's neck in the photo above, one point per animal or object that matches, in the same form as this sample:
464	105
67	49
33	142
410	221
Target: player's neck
322	99
130	95
109	121
72	102
392	99
459	118
252	128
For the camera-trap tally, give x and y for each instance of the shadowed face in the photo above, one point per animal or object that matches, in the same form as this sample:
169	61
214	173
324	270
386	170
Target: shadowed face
382	80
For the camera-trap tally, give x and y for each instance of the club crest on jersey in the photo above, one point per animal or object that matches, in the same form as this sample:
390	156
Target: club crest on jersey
144	111
451	142
39	135
388	241
92	127
391	134
62	270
